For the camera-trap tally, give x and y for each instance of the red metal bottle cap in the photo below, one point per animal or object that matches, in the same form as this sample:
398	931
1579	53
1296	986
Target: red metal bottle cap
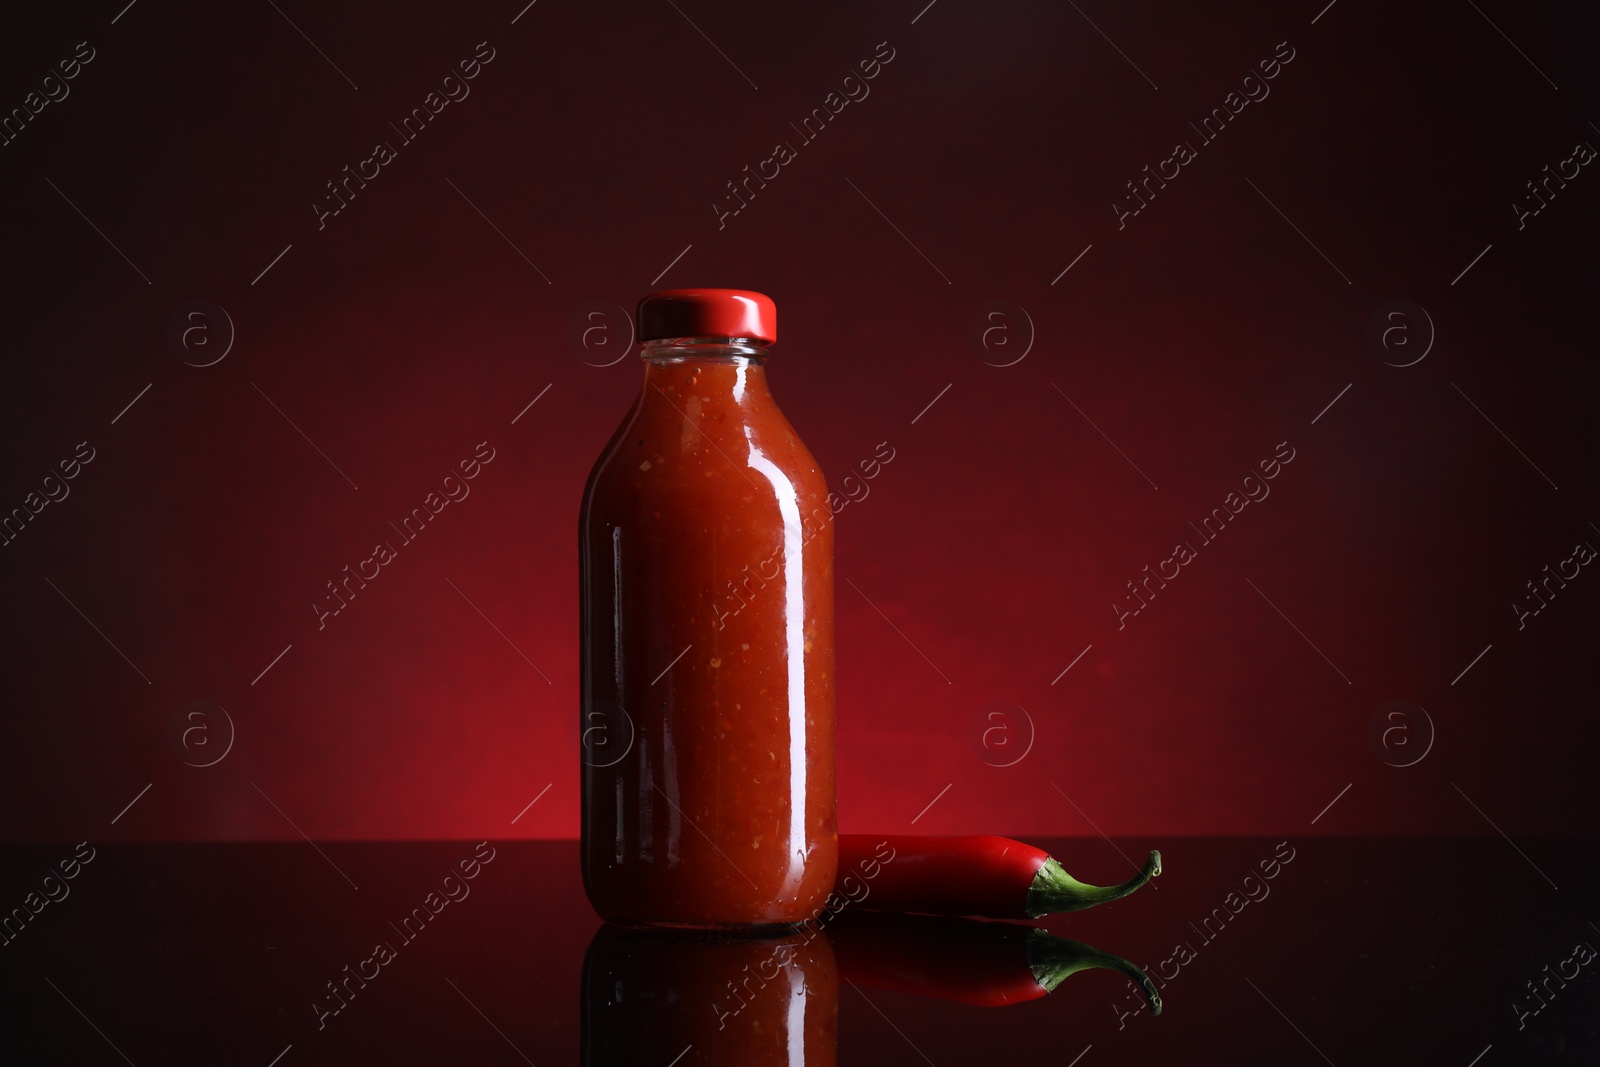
708	313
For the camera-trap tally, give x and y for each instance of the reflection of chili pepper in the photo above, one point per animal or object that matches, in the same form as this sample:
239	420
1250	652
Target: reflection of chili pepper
989	876
982	963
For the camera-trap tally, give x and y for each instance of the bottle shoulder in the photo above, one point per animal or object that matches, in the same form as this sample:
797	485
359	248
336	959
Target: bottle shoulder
703	456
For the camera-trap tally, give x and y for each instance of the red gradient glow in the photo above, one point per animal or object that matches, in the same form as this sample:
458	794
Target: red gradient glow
985	557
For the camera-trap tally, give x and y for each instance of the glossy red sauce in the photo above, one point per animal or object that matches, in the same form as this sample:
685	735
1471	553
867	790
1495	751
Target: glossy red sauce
706	548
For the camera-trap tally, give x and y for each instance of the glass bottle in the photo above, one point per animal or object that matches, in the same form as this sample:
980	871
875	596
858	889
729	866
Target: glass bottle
706	592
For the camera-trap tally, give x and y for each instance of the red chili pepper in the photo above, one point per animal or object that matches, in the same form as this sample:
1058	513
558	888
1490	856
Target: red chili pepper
985	964
994	877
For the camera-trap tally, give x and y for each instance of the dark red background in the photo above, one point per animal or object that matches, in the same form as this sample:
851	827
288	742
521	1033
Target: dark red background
1197	338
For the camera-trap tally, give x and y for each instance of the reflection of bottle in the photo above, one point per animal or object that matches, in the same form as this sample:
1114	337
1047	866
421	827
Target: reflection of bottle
651	995
706	593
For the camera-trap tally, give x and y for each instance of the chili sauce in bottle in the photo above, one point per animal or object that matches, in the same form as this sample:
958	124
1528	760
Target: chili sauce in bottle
707	667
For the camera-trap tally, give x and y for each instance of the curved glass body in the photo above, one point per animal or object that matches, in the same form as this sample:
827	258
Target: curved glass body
707	687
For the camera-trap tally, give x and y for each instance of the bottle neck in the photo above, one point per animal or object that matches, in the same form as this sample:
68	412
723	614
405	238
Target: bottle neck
694	371
703	348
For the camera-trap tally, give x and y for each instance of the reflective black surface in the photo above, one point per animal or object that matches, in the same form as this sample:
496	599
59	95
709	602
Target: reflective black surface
1353	951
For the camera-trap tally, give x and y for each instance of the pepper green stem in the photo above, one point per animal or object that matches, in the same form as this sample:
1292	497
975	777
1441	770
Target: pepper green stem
1055	959
1055	890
